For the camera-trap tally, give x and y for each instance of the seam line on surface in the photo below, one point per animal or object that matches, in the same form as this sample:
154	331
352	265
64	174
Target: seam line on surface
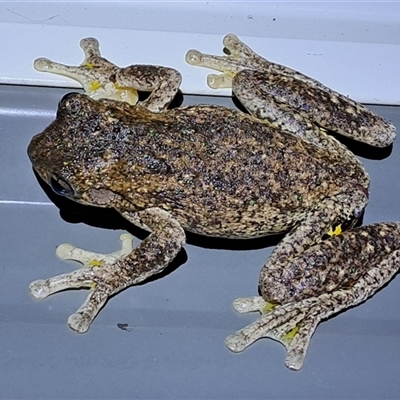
24	202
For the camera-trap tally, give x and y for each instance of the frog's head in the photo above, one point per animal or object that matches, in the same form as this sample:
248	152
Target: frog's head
73	154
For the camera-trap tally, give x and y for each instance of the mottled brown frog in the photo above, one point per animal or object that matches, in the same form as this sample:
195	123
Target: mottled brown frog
220	172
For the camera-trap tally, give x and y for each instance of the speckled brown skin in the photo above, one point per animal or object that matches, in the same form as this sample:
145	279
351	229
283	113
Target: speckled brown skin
289	99
347	269
218	172
300	105
151	256
238	179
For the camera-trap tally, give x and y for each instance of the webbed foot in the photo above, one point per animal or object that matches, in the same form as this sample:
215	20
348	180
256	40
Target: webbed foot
108	274
96	74
68	251
239	56
98	273
294	323
291	324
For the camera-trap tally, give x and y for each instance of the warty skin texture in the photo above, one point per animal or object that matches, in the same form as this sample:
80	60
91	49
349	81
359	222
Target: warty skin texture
219	172
223	180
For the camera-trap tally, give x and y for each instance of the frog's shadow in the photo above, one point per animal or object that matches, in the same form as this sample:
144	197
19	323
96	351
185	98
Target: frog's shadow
106	218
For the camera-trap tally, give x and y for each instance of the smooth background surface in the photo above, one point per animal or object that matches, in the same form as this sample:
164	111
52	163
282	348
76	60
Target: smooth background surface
351	46
173	347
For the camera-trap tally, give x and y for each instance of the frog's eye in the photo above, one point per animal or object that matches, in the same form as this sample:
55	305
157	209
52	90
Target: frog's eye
66	97
60	186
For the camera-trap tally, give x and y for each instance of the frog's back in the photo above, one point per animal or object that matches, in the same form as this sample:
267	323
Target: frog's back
224	173
218	171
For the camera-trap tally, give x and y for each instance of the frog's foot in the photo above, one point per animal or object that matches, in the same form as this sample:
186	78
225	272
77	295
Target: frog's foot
67	251
96	74
219	63
238	49
239	57
100	274
294	323
291	324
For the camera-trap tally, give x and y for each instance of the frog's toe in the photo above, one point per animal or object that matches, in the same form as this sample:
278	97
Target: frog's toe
90	43
99	273
295	357
231	42
291	324
102	281
65	251
194	57
249	304
45	65
230	39
98	295
236	48
219	81
39	289
296	339
68	251
236	343
42	64
79	322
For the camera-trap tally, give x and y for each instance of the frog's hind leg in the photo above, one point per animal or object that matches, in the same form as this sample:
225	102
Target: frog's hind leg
293	324
277	93
297	275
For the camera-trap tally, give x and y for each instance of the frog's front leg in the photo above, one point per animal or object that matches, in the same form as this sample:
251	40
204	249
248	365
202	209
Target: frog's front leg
102	79
348	269
110	275
95	73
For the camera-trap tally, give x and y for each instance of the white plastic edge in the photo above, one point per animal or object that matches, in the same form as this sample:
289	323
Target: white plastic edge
367	72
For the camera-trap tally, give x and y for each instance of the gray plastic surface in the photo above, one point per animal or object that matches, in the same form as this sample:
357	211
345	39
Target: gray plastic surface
172	346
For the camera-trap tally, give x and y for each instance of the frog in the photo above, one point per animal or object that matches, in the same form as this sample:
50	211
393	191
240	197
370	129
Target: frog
219	172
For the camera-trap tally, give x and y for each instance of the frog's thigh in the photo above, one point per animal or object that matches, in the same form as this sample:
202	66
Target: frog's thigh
151	256
340	207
